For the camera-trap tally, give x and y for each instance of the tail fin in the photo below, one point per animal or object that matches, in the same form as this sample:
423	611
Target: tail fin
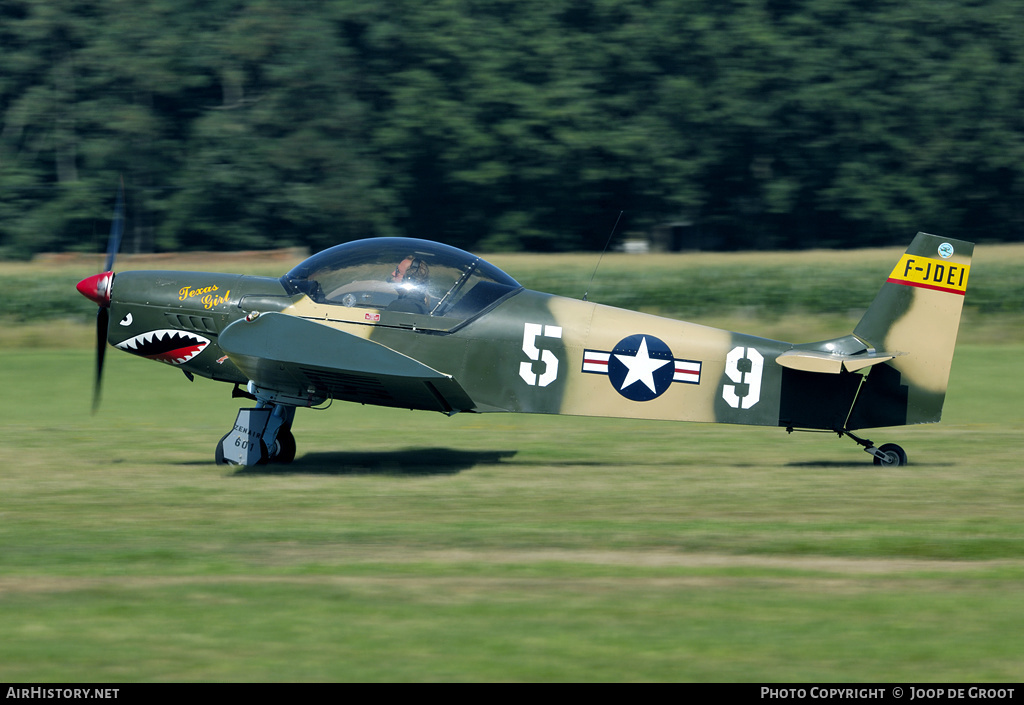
915	316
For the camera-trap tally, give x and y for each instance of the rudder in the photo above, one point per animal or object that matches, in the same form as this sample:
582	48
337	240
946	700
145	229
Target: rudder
916	315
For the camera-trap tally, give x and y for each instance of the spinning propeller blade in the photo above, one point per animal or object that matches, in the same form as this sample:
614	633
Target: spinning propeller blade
102	319
116	230
97	288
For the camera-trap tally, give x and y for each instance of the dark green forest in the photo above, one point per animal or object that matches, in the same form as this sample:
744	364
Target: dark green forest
509	124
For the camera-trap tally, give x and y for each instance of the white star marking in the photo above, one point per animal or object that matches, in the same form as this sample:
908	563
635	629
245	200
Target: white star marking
641	367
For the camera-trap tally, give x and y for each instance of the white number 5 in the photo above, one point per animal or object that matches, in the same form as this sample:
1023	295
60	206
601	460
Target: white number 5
530	333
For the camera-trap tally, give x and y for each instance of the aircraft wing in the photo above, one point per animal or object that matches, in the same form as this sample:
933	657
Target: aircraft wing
304	358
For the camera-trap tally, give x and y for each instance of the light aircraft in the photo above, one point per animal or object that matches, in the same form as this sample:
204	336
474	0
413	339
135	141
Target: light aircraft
415	324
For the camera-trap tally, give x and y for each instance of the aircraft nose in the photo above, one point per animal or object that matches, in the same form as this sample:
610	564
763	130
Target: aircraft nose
97	288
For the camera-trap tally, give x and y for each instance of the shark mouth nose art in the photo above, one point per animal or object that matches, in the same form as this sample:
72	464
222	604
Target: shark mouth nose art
175	347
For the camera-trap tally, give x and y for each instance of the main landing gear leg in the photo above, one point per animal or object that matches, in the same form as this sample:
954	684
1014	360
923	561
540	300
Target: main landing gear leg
260	436
888	455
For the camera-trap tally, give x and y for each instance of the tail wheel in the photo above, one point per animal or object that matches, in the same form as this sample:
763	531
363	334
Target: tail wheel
892	456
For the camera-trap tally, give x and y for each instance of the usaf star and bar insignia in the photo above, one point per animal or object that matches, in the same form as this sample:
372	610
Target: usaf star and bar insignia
641	367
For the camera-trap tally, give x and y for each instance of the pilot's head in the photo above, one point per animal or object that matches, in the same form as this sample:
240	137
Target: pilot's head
412	273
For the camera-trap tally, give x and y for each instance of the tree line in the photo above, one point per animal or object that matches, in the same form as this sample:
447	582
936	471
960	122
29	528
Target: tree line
509	124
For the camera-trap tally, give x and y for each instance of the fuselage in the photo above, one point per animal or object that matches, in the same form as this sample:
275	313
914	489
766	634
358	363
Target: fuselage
529	352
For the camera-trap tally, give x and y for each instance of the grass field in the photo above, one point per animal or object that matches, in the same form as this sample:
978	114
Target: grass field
412	547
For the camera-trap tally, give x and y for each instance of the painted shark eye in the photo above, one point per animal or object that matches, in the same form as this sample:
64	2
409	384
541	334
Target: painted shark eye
127	320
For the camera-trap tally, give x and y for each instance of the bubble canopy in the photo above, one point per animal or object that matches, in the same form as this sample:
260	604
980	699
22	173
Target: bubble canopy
404	275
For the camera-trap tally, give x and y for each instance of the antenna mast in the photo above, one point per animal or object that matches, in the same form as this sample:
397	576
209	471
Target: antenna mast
610	235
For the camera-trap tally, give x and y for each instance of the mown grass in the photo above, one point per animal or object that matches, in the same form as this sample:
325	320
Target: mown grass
409	546
412	547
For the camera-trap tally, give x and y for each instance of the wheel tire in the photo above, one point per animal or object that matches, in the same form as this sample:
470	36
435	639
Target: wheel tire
285	447
264	454
895	456
218	455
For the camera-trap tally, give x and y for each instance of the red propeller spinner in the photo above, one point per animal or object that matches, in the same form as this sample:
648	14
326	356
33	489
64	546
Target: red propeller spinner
97	288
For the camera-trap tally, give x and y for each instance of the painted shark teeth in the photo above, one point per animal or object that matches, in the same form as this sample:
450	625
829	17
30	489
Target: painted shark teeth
175	347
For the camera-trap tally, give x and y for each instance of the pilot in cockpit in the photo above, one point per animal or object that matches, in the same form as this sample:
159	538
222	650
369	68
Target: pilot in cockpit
411	278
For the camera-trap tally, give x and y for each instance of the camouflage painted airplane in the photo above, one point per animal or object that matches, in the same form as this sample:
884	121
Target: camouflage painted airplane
420	325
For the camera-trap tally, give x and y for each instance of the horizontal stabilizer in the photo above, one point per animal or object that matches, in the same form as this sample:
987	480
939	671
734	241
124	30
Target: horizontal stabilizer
831	363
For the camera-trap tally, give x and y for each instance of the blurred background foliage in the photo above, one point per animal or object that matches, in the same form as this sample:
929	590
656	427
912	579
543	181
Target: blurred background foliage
509	124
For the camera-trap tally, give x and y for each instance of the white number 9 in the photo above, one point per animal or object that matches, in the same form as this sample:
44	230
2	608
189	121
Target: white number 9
752	377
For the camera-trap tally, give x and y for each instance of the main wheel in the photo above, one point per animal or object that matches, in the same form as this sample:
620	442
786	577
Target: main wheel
219	458
264	453
284	447
894	456
218	455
